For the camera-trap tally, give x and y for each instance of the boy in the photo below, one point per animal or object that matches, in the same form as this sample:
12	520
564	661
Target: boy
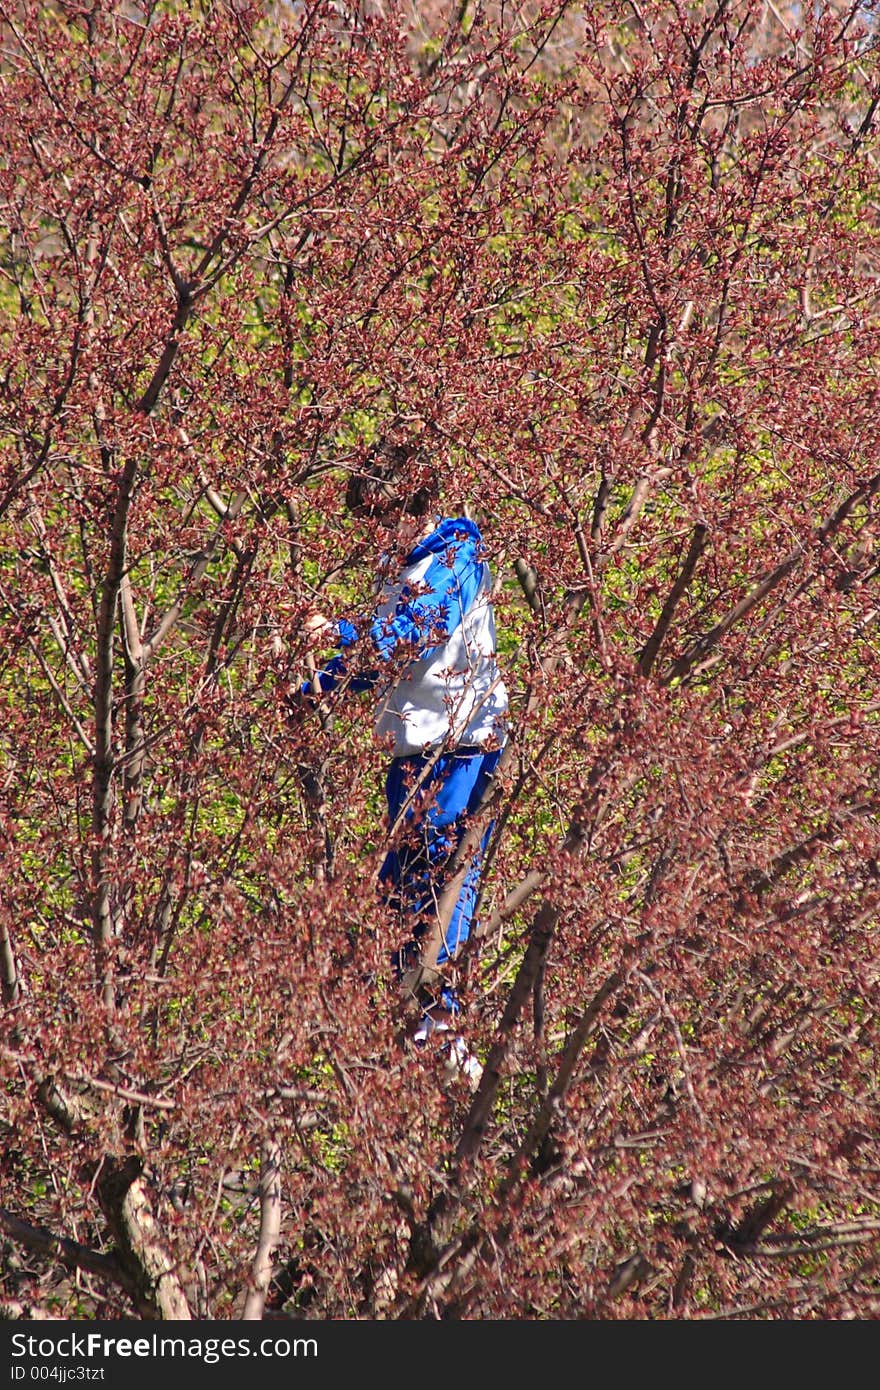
441	708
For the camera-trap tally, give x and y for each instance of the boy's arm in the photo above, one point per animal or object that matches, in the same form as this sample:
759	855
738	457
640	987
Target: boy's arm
426	620
420	622
328	676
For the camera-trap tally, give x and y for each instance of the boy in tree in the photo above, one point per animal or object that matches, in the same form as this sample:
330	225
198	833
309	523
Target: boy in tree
441	709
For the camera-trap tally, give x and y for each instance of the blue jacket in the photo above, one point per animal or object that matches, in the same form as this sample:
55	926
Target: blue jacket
433	628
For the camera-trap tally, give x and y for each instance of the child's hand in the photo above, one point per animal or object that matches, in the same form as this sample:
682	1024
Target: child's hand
317	629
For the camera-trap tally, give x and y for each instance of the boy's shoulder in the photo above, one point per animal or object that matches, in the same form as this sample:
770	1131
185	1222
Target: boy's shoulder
454	544
454	530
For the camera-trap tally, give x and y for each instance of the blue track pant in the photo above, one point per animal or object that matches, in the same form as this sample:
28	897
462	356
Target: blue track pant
413	874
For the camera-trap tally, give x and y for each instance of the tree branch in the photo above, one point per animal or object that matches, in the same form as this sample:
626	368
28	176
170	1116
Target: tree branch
270	1229
700	649
125	1199
652	646
69	1252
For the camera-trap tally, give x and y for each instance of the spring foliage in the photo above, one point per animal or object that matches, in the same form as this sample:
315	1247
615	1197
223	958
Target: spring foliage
618	267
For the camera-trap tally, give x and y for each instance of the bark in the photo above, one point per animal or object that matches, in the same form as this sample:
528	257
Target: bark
150	1269
103	923
655	641
68	1252
270	1229
11	983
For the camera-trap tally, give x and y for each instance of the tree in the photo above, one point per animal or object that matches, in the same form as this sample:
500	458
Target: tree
621	272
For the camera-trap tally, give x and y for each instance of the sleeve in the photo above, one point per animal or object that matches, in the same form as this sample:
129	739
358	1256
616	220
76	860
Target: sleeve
336	670
421	621
426	620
